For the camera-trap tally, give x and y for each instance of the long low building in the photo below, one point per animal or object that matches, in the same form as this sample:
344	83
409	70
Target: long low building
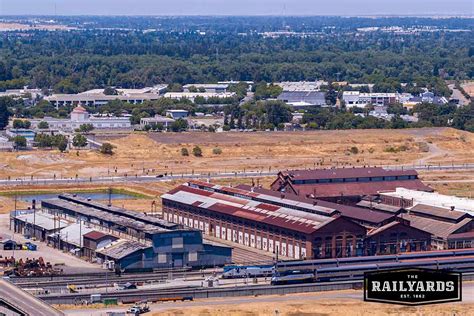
404	196
285	227
142	241
346	184
98	97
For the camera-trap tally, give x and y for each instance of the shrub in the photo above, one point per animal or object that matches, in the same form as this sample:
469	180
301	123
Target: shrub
184	152
19	141
107	149
354	150
43	125
79	141
217	151
197	151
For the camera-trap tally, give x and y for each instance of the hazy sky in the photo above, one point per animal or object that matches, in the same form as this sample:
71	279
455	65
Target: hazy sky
236	7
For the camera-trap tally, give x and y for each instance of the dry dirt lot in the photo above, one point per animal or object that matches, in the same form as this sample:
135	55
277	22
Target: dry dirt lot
161	152
323	308
157	153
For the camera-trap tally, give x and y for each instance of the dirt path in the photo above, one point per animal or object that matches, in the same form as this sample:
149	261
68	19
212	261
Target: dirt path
433	150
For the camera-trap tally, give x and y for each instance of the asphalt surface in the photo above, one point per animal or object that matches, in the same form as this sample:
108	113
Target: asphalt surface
24	301
172	177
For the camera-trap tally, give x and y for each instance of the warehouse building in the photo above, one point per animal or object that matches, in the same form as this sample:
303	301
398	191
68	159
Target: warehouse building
287	227
140	241
407	197
387	233
37	225
303	99
451	227
346	185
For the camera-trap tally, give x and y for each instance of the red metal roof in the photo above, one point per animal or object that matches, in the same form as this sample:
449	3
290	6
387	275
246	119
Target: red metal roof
466	235
95	235
338	173
357	188
267	219
268	207
190	190
357	213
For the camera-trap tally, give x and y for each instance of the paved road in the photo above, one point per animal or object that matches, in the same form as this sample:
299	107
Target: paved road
24	301
172	177
468	297
458	95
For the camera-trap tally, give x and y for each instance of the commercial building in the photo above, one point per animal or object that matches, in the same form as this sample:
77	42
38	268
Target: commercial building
80	116
141	241
299	86
177	114
97	97
157	119
303	99
346	184
207	87
289	226
193	95
358	99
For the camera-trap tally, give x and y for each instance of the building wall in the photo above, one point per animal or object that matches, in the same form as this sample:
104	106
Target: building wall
339	238
255	235
399	238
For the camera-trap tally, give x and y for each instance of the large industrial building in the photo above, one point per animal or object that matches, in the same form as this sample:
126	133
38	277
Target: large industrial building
346	184
131	239
290	226
449	219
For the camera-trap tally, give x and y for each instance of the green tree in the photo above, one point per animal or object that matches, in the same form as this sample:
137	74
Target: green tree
79	141
175	87
43	140
179	125
43	125
85	128
21	124
217	151
197	151
19	141
107	149
192	89
4	111
62	144
110	91
184	152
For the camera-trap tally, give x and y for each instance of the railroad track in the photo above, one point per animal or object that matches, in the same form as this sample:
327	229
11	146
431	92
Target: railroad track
25	282
153	295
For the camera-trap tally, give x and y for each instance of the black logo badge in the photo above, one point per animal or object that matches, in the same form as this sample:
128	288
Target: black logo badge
412	286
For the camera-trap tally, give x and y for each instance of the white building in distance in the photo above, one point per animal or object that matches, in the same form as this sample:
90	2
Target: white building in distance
80	116
192	95
97	97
